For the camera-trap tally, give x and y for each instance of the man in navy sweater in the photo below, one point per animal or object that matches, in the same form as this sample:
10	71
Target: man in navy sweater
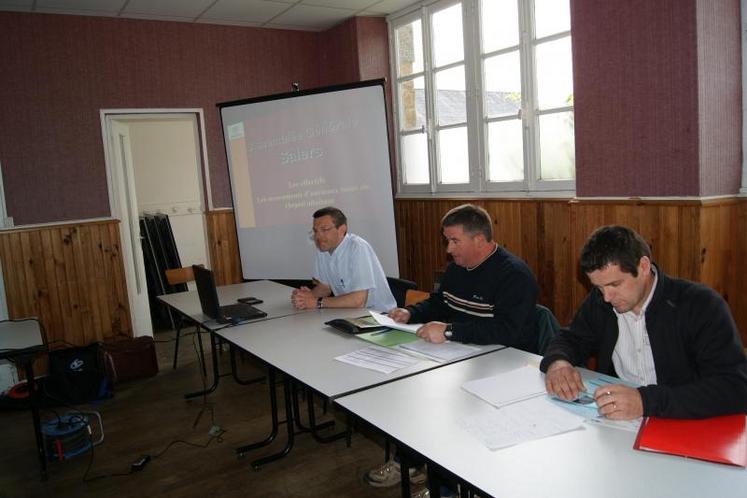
487	295
676	339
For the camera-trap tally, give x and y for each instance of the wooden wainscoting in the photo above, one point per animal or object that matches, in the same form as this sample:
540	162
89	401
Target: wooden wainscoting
70	276
704	241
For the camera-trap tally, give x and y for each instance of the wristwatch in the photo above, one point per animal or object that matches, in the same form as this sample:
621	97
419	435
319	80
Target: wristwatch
449	330
319	303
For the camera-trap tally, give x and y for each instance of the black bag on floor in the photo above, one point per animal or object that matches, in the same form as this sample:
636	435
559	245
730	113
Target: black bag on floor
75	375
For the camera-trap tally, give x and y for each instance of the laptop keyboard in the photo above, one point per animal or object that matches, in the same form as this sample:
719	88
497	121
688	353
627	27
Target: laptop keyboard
240	312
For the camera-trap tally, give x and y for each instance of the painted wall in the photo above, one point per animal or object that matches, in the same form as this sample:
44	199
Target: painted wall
719	96
656	94
59	71
657	97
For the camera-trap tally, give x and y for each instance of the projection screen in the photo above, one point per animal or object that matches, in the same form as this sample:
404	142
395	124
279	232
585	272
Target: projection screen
291	154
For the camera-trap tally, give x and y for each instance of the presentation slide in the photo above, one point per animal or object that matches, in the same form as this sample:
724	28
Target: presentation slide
290	156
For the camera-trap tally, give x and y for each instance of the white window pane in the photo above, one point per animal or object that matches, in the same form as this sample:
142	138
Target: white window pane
502	85
551	16
453	155
412	104
415	159
505	151
409	48
554	74
557	148
448	42
500	24
451	97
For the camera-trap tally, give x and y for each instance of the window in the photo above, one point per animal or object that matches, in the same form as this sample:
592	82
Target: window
484	96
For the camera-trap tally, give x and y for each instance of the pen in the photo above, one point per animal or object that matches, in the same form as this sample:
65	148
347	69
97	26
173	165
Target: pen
381	332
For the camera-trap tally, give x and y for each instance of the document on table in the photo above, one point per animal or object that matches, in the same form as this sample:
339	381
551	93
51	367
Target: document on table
385	321
385	360
507	388
445	351
590	411
516	423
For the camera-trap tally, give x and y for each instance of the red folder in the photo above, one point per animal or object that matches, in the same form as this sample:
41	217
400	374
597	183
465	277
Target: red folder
717	439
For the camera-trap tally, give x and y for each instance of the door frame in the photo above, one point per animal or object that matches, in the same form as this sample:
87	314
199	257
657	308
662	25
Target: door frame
107	116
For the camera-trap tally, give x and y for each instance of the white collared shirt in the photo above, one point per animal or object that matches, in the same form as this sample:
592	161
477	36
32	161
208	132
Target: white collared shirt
632	356
353	266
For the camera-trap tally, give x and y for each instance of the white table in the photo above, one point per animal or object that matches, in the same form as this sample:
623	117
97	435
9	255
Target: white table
275	297
303	348
275	302
421	413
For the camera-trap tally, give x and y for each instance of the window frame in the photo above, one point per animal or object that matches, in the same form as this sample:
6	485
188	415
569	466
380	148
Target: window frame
477	121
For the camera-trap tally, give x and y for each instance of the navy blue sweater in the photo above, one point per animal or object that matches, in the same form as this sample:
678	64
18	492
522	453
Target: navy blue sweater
493	303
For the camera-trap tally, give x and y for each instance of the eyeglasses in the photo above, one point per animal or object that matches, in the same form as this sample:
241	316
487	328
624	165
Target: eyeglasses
321	230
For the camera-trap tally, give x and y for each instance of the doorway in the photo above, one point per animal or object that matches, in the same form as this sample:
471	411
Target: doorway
156	164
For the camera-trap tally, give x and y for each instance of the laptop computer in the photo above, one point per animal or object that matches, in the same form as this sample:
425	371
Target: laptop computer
232	313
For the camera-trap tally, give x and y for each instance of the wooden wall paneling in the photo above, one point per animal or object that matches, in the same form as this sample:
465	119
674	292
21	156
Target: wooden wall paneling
28	274
67	322
688	265
82	257
585	218
72	281
738	290
556	274
50	282
103	297
71	277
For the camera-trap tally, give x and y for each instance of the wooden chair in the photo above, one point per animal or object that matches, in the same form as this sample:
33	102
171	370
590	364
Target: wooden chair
176	276
399	288
414	296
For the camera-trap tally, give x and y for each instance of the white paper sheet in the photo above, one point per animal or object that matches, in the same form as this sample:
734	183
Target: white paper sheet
445	351
385	360
510	387
388	322
531	419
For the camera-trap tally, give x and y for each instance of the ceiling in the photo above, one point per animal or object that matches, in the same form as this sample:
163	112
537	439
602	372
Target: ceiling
309	15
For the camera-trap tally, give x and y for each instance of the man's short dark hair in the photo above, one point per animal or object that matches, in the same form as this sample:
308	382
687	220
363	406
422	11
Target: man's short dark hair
474	220
338	217
613	244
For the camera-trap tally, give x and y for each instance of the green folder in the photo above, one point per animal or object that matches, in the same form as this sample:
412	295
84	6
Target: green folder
388	337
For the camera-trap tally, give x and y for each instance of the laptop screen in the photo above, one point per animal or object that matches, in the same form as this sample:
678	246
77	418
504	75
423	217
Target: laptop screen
207	292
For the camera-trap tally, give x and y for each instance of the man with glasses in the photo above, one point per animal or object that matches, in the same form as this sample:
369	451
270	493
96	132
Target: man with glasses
347	272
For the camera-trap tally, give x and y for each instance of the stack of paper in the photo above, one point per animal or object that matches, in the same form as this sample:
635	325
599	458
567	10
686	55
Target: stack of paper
531	419
445	351
385	321
523	413
510	387
383	360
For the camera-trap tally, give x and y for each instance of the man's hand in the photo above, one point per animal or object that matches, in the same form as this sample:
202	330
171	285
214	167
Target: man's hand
432	332
617	402
303	299
563	381
400	315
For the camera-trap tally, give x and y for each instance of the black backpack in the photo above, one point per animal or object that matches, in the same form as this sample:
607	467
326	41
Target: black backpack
75	376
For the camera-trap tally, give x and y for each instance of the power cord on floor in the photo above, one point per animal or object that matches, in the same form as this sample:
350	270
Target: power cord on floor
215	432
